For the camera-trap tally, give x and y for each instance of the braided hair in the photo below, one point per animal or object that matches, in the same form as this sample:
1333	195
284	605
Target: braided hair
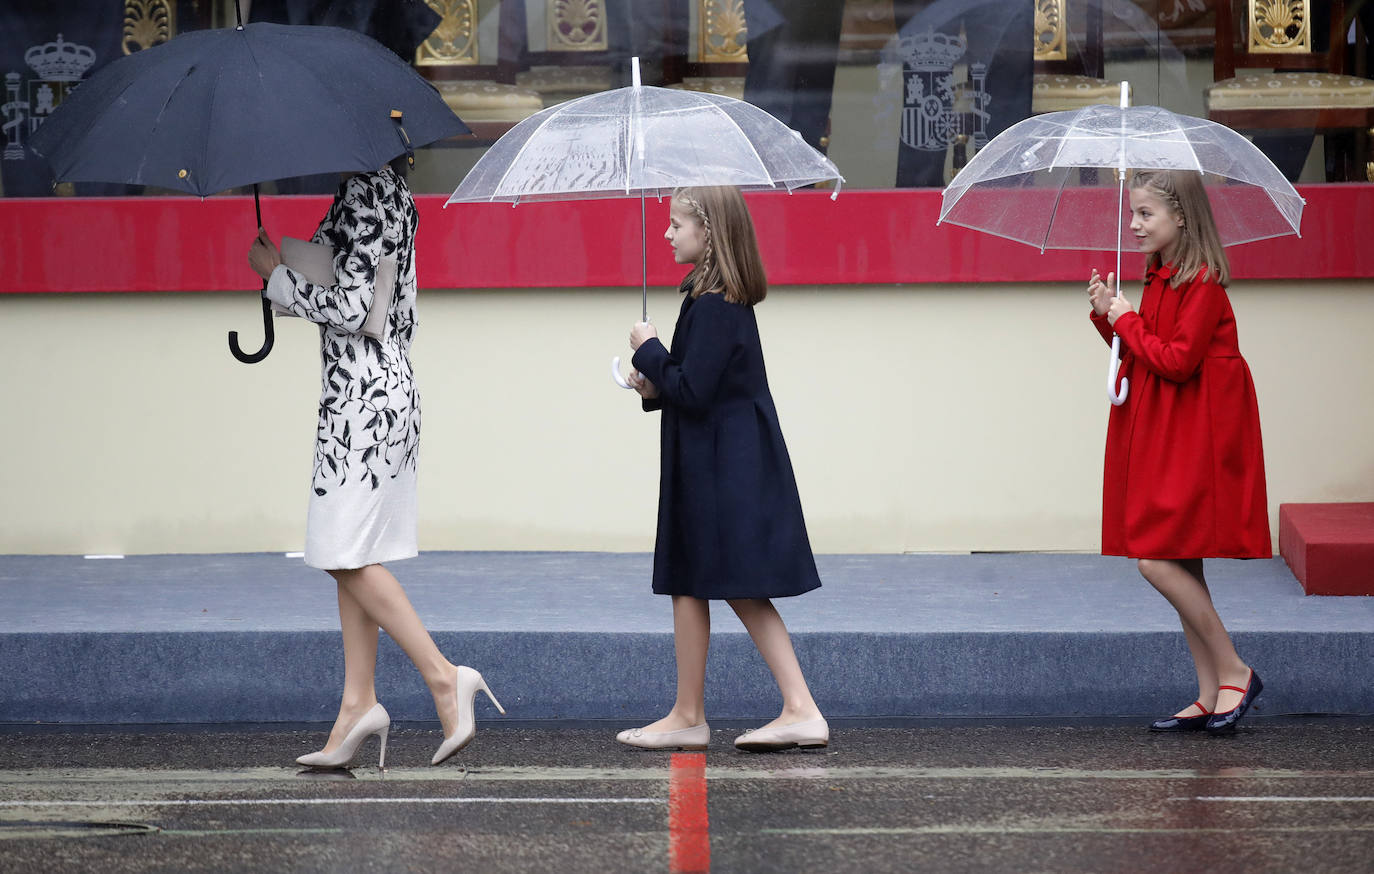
1199	246
730	262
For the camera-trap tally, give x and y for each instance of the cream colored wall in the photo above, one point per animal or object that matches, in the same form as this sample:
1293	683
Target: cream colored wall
919	418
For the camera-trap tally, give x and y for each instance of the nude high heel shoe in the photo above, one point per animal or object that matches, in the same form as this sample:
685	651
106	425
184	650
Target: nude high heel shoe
375	721
469	682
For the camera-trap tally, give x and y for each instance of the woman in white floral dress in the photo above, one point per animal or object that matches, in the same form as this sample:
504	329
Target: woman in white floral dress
362	507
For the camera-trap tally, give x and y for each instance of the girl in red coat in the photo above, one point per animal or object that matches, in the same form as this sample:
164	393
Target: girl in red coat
1184	474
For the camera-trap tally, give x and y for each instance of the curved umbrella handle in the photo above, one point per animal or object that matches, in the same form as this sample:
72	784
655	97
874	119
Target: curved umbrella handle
615	374
267	338
1112	366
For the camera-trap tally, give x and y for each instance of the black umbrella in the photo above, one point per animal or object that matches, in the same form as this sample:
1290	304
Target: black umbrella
215	109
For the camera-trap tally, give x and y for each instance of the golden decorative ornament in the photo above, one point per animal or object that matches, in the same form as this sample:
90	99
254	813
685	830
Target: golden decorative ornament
147	23
1051	30
454	41
723	31
576	25
1280	26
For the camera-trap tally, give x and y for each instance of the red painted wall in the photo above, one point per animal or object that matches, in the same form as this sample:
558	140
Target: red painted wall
186	244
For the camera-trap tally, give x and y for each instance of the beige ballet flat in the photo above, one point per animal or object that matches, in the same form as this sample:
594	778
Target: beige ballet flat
695	738
811	734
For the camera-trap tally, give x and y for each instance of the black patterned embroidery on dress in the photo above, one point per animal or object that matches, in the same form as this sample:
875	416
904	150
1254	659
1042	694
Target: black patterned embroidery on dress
369	415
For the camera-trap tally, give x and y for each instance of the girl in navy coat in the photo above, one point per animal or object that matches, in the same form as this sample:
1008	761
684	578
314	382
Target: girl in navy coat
729	518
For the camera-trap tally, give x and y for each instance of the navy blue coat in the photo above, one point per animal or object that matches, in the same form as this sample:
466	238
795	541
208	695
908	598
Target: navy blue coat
729	518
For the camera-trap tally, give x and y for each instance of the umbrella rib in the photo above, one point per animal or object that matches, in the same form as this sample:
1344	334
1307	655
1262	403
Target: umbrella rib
496	188
74	139
552	112
1063	182
210	111
327	86
755	152
1183	137
1068	125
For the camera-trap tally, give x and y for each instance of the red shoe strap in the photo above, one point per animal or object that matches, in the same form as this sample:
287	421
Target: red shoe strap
1234	689
1205	711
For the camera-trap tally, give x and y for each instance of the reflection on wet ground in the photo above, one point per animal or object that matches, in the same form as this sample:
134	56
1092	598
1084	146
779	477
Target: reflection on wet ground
1284	795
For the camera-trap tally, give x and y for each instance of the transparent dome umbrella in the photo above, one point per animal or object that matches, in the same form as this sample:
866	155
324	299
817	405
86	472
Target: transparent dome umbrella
1051	182
642	141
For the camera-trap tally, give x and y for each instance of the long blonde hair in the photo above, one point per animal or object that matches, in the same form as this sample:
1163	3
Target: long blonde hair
731	263
1199	244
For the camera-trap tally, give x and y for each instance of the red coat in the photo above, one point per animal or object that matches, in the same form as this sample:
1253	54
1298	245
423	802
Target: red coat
1184	475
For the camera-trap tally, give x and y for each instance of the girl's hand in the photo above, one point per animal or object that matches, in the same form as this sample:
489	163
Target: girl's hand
1101	293
641	332
645	388
1120	306
263	255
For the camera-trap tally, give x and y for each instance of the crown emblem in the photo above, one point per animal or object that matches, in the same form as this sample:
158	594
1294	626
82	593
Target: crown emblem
932	51
60	61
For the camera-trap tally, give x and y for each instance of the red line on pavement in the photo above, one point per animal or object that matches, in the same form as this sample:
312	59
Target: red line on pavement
689	826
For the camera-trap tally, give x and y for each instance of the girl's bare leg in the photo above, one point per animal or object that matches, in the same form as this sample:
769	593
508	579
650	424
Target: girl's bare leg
769	634
360	665
1214	656
691	638
1207	681
384	602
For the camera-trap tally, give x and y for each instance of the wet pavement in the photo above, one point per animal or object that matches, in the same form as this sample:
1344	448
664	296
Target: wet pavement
1285	794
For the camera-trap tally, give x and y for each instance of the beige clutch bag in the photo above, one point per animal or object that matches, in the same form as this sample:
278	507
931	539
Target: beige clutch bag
315	261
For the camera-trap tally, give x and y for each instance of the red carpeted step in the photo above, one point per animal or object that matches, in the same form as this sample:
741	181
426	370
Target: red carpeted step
1330	547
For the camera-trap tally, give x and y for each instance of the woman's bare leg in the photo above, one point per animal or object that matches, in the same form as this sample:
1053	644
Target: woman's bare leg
381	598
769	634
1214	656
360	666
691	639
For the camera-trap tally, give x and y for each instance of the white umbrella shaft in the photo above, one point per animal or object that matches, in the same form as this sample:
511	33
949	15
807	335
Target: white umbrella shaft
1119	397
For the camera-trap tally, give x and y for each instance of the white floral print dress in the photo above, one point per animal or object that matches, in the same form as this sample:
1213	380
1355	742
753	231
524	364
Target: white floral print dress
362	505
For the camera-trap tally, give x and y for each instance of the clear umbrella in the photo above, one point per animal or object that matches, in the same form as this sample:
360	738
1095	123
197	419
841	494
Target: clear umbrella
1048	182
642	141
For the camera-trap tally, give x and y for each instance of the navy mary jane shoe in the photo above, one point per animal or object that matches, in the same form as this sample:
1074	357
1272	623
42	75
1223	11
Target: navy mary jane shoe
1223	723
1183	723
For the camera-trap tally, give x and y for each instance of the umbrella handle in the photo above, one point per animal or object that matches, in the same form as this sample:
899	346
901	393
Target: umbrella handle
615	374
1112	366
267	338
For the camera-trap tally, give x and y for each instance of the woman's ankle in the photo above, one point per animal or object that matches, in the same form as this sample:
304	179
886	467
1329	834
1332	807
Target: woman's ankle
440	678
354	704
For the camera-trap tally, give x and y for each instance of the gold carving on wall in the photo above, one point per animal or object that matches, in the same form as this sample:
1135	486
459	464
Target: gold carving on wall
147	23
723	32
454	41
1280	26
1051	30
576	25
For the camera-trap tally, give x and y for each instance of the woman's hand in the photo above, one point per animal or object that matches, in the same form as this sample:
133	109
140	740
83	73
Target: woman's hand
639	333
263	255
1101	293
1120	306
645	388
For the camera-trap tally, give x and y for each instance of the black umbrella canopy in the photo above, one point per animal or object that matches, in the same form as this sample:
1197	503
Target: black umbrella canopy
215	109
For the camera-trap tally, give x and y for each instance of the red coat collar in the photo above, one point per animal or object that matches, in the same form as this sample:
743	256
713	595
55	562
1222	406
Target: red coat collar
1162	271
